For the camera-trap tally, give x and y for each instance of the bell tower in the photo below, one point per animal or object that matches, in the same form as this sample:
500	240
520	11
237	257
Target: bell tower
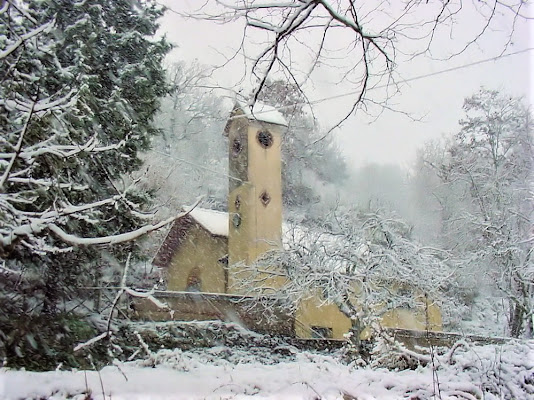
255	186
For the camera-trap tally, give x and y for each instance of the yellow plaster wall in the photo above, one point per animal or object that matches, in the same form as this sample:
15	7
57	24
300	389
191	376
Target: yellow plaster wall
239	237
260	229
420	319
242	250
264	171
202	250
432	314
402	318
425	315
238	162
254	282
313	312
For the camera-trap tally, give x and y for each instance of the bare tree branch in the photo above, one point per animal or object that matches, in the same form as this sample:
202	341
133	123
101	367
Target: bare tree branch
383	35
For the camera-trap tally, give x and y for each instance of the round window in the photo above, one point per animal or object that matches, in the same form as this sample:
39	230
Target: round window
265	138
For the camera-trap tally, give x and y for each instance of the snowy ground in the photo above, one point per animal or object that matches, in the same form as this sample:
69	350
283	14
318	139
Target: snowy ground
478	372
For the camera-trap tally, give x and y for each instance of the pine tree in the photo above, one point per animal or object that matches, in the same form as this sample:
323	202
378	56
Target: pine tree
80	83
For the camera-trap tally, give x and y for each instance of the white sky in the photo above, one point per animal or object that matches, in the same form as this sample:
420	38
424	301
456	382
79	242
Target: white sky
393	137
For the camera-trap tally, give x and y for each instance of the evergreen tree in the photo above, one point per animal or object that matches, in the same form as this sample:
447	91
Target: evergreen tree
80	83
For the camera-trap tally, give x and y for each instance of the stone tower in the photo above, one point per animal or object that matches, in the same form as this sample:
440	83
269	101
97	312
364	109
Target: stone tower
255	186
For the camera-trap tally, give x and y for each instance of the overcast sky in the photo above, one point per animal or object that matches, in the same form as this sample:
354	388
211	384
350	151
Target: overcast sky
392	137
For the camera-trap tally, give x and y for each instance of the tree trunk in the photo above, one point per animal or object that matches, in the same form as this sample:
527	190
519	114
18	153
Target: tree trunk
51	290
516	320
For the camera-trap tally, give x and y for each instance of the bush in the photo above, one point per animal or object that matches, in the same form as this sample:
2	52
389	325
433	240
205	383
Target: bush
45	342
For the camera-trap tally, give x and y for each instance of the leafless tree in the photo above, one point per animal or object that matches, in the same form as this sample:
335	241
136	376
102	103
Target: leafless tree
365	41
488	222
363	262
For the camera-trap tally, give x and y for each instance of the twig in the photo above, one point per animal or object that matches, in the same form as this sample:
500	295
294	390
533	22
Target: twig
18	147
99	377
91	341
117	364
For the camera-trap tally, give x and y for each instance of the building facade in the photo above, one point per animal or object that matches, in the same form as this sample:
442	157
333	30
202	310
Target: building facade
206	253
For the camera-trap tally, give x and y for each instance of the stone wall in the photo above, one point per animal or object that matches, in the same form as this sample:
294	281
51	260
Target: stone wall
412	338
265	315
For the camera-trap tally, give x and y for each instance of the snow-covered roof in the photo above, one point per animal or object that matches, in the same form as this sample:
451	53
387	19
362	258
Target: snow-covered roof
215	222
262	112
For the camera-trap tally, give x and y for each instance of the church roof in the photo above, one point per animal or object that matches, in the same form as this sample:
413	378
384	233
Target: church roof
259	112
215	222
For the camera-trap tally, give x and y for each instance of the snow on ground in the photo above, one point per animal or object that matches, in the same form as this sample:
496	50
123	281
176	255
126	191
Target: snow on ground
488	372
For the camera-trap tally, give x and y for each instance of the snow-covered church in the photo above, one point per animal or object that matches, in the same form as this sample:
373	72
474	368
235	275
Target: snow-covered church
204	252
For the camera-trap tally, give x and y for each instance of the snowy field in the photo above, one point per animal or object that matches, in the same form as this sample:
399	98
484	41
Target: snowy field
470	372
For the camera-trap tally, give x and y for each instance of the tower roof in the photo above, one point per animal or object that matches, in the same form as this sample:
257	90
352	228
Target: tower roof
259	112
262	112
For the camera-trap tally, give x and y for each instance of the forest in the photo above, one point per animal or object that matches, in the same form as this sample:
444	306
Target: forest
105	143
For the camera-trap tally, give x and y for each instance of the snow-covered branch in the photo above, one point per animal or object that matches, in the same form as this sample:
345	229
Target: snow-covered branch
259	5
115	239
122	289
90	342
18	146
364	263
4	53
91	146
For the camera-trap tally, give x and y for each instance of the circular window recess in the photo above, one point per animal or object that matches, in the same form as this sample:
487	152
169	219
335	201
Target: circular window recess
237	202
265	138
265	198
236	147
236	220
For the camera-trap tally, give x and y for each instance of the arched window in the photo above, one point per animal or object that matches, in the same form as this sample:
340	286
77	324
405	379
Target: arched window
194	283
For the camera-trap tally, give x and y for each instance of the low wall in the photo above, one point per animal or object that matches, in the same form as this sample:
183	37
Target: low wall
265	315
412	338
